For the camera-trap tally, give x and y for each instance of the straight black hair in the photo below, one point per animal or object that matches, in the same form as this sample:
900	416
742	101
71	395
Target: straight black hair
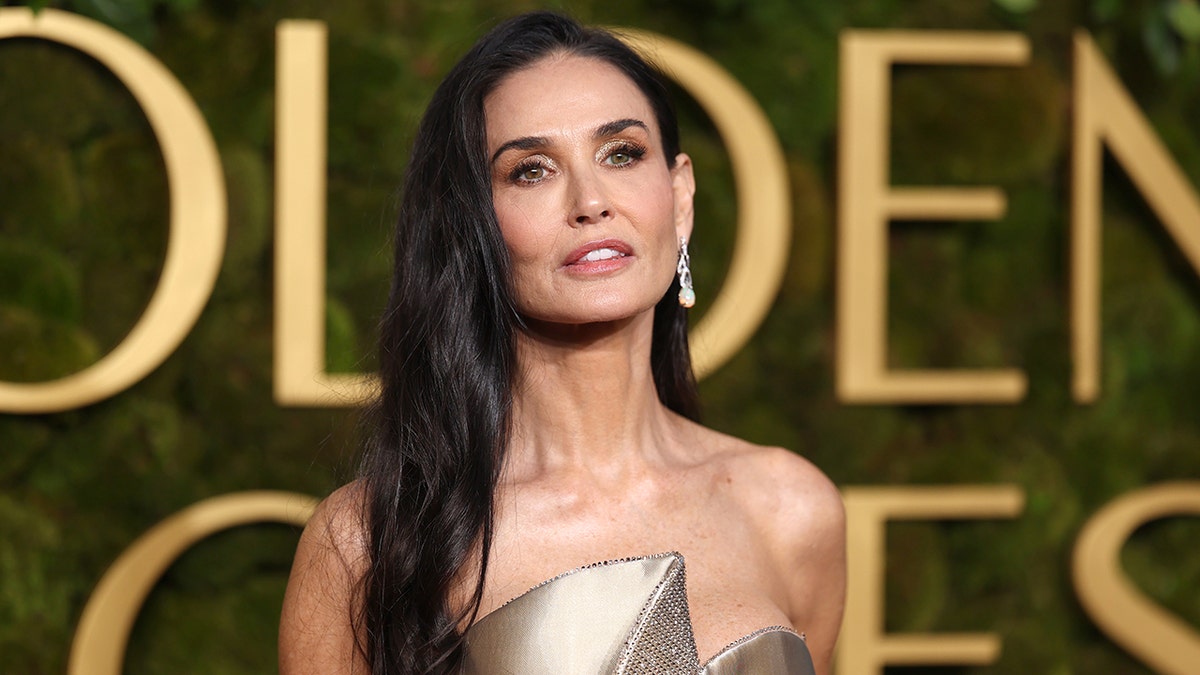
440	427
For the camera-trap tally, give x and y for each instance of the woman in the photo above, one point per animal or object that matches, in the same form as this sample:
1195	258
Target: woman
537	411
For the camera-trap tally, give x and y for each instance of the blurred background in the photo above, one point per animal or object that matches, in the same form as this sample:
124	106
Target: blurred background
83	225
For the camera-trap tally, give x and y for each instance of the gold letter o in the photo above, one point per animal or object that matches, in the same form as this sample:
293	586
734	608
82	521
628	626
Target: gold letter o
103	632
197	230
764	206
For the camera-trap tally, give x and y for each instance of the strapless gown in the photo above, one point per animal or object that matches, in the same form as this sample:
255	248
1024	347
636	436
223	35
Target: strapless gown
626	616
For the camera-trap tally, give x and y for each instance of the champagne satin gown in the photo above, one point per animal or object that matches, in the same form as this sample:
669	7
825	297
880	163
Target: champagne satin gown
626	617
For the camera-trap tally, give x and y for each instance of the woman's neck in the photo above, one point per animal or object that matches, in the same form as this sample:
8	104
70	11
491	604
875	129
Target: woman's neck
585	398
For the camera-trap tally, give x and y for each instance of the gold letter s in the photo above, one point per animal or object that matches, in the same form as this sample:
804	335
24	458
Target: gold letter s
197	234
1153	635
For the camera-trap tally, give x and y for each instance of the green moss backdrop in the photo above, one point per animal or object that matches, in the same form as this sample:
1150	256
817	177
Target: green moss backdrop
83	217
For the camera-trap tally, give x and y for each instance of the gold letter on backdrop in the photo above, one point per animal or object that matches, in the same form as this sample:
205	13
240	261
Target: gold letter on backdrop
1105	113
197	228
103	632
865	646
300	148
867	202
1159	639
759	257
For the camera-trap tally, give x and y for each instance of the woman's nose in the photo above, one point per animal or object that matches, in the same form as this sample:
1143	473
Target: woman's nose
590	204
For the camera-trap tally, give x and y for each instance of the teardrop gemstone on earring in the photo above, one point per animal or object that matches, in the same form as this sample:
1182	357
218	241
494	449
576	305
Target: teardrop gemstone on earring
687	297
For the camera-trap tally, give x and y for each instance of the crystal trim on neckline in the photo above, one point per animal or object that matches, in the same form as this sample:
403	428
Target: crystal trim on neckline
777	628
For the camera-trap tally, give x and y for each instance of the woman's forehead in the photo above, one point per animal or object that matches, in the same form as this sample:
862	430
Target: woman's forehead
563	95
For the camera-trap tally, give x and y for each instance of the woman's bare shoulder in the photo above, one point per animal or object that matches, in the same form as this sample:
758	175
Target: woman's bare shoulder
776	482
338	524
797	489
317	631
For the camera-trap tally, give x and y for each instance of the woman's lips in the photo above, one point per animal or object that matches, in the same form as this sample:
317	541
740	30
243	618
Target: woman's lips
598	257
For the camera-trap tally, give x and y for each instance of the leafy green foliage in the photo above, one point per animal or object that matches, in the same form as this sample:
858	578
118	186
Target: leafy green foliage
1017	6
1184	18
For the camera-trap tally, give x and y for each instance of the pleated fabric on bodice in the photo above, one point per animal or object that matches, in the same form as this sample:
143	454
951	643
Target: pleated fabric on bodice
627	617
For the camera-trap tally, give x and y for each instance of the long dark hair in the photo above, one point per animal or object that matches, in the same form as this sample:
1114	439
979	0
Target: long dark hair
447	356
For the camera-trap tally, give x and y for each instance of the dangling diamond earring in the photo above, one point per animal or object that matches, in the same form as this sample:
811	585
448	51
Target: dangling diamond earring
687	296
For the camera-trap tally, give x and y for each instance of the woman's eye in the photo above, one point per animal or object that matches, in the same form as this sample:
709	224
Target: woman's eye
624	156
528	173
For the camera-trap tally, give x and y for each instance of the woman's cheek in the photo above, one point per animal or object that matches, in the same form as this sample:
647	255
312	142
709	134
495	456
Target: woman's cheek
518	231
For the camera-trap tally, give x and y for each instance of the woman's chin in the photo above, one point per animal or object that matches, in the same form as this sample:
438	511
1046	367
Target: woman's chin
592	321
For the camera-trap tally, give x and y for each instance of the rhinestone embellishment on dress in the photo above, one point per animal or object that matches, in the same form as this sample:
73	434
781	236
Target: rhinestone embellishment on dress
662	642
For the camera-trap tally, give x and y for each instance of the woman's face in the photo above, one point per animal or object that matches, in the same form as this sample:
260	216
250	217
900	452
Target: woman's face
587	205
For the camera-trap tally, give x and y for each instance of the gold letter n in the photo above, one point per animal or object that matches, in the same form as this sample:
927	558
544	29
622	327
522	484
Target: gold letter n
1105	114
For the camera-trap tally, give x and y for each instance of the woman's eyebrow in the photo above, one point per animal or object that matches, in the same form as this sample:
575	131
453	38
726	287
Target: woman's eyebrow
617	126
524	143
603	131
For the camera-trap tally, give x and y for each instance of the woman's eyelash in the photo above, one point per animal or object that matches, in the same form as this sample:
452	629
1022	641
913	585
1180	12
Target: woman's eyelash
634	151
517	175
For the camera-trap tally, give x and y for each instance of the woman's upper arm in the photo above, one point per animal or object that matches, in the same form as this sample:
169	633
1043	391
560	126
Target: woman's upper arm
811	525
317	631
825	558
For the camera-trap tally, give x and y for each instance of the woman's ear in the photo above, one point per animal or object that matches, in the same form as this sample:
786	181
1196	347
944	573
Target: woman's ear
683	183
